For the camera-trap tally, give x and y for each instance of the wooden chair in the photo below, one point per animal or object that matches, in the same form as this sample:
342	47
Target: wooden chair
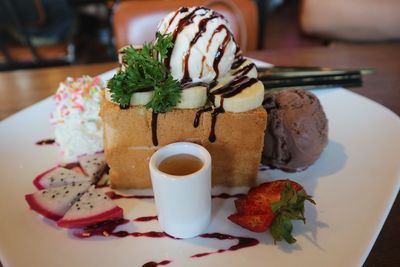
16	53
135	21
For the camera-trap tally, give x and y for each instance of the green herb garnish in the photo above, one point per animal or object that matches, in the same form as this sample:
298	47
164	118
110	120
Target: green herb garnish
145	71
290	207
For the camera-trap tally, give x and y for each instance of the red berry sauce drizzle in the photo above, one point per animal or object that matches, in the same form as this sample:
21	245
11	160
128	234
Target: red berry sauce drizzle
146	219
46	142
107	228
154	264
243	242
226	196
114	195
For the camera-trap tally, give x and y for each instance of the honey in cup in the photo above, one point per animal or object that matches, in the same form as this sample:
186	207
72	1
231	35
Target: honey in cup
180	165
184	202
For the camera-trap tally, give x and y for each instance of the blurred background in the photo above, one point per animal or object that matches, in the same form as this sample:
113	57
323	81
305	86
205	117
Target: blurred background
43	33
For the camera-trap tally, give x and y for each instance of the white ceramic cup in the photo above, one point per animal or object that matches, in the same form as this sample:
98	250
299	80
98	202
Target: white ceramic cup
183	202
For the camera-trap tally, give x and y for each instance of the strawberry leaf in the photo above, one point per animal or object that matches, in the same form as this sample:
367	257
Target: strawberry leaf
289	207
281	229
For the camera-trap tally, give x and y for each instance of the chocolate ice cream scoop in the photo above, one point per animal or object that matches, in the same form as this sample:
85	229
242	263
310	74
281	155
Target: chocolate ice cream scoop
297	130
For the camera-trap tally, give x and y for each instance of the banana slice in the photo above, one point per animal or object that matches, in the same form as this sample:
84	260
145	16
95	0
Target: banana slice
141	98
137	99
250	98
193	97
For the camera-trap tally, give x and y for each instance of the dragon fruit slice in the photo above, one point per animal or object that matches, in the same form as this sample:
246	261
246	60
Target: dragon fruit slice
93	165
93	207
58	176
54	202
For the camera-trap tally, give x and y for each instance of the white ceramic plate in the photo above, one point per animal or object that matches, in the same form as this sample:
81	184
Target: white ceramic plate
354	184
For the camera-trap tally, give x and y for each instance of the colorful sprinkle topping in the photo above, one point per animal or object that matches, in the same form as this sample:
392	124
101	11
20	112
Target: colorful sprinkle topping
77	96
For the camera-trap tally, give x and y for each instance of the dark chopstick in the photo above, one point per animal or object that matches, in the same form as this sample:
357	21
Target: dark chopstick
315	85
310	77
295	71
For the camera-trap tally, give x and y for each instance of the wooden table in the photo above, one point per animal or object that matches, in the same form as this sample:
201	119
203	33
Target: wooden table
20	89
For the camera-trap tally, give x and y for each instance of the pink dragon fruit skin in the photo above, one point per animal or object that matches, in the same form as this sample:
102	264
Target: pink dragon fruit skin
36	206
93	207
37	181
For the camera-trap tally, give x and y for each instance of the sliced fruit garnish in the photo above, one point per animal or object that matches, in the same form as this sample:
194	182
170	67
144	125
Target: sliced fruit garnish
272	205
255	223
93	207
58	176
54	202
93	165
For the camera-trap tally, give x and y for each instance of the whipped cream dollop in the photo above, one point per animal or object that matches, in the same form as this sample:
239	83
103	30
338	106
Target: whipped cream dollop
204	47
78	126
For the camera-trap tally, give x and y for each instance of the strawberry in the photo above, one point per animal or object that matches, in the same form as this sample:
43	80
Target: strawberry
257	204
257	223
272	205
240	204
272	190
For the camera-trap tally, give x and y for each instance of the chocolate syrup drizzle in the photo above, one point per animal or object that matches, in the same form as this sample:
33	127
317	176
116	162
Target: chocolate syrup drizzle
168	58
212	137
202	28
221	48
231	89
181	10
245	69
154	119
234	87
238	52
185	21
202	66
237	63
187	85
198	115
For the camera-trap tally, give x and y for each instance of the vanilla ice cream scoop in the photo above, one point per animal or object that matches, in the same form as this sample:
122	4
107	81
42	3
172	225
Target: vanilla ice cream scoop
204	47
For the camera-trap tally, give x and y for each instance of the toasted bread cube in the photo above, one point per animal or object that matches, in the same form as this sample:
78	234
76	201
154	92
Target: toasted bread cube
128	144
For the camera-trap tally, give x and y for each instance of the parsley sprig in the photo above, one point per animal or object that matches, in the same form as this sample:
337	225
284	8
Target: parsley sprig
145	70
